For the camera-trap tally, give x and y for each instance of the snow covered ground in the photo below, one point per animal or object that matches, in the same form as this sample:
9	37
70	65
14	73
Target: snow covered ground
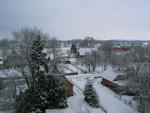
10	111
106	97
76	103
9	73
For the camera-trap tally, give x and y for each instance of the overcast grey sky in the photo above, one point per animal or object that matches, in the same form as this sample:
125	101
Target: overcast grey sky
67	19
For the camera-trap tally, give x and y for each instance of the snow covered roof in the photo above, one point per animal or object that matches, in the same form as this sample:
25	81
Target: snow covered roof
63	68
72	68
86	50
14	59
72	60
9	73
1	62
109	74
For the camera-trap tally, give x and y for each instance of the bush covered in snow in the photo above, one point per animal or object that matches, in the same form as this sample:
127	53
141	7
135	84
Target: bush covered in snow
91	96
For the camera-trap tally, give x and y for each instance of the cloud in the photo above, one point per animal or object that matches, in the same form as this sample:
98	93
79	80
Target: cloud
67	19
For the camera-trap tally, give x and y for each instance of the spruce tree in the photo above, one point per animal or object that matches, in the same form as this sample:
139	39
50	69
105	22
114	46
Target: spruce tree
91	96
73	49
34	97
56	93
38	63
51	89
29	101
45	92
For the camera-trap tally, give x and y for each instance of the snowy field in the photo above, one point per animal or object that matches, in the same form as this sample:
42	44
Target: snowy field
107	98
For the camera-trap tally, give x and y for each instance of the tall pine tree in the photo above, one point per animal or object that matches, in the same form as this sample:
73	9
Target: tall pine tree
53	88
38	64
46	92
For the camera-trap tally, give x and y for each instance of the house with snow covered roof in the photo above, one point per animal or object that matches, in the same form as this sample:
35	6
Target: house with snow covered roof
82	52
14	59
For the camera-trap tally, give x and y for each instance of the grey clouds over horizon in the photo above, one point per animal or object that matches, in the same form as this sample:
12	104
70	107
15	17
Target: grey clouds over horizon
68	19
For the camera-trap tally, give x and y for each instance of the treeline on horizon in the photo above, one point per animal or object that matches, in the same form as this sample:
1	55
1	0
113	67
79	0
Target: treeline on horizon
81	42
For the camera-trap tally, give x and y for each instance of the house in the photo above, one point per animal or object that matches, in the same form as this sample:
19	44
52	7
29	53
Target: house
121	49
82	52
128	73
55	72
124	76
120	77
124	50
14	59
78	55
117	88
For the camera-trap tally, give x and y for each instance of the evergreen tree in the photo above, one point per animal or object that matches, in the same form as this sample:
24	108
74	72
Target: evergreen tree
29	101
51	89
38	63
91	96
73	48
56	93
45	92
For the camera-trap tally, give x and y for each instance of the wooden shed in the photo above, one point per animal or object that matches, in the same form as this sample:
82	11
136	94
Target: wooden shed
69	86
113	86
116	88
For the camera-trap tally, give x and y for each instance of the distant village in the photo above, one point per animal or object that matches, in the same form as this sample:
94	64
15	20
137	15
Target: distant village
111	63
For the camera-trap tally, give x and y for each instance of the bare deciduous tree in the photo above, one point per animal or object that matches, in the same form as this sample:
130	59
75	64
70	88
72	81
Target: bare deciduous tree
92	59
106	47
4	45
140	84
122	61
87	42
25	38
54	46
147	51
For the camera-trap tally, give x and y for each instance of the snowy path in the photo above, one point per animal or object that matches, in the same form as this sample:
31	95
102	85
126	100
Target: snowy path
76	103
77	91
110	103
